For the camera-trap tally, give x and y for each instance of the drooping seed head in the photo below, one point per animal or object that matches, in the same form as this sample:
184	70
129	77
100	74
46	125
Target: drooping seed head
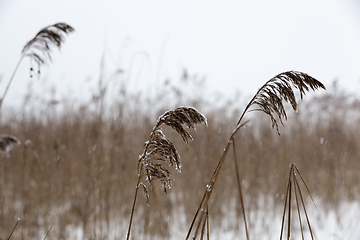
159	150
271	95
39	48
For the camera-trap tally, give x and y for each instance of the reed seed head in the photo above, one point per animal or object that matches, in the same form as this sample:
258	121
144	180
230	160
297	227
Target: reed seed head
271	95
39	48
7	143
159	150
179	117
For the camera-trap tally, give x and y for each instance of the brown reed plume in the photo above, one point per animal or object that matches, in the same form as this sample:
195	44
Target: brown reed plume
159	150
39	48
268	99
7	144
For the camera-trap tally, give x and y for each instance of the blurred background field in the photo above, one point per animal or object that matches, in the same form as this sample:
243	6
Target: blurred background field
76	166
82	124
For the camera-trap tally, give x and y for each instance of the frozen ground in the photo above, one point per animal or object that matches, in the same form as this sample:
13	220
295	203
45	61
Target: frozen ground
330	224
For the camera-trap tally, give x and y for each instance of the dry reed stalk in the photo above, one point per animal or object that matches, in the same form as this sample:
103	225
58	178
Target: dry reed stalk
239	189
48	232
268	99
159	150
39	48
293	183
13	229
205	225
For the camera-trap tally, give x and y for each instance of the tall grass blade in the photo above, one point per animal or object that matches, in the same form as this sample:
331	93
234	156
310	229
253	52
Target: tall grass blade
48	232
204	225
289	211
201	222
298	195
285	205
298	172
207	223
239	189
306	215
296	189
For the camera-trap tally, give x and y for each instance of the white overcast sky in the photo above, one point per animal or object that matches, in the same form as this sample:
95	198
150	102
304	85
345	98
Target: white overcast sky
237	45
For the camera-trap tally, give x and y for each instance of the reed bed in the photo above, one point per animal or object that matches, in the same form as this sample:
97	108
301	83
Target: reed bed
72	170
72	167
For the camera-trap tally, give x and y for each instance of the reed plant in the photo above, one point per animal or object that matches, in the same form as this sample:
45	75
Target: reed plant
269	99
61	175
39	48
159	150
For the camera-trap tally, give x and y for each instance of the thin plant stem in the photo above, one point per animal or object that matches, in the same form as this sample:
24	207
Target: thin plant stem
285	205
296	188
199	224
306	215
11	79
207	224
239	188
133	208
195	217
289	210
204	225
13	229
298	172
48	232
209	188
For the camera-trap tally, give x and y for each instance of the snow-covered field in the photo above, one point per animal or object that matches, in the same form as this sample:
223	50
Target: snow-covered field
341	222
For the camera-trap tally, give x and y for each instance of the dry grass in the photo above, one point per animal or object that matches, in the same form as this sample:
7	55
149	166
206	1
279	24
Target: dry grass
80	171
76	167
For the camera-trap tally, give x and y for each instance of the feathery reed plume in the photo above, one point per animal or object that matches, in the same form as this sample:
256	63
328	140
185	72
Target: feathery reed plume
293	183
7	144
268	99
159	149
39	48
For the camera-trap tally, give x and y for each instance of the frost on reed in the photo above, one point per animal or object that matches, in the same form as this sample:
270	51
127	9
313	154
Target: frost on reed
159	150
7	144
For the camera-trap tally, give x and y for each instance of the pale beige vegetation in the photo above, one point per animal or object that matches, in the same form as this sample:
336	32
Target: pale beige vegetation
78	167
81	171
